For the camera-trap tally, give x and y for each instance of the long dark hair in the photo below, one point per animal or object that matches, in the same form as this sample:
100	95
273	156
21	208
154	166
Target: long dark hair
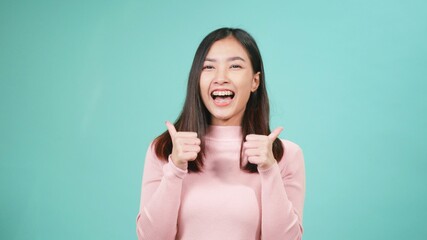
195	117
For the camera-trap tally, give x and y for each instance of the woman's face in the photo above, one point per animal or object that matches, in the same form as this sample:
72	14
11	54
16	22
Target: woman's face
226	81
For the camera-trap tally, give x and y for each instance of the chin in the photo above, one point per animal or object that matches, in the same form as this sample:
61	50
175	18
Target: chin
221	115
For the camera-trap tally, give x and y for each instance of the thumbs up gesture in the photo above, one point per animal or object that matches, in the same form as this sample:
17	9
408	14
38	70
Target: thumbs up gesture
185	146
258	149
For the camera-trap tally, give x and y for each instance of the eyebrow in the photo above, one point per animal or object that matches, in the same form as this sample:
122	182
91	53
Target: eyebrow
228	59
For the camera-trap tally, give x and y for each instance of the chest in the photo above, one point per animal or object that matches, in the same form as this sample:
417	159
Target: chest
213	202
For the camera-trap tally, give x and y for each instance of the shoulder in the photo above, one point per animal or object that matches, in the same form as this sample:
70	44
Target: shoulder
152	163
151	152
292	156
151	147
290	147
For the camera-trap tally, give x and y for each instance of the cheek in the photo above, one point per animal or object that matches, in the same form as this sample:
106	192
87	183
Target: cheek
245	93
245	88
244	97
204	90
203	82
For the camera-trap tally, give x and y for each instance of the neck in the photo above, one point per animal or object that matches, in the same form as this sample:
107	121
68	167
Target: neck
224	132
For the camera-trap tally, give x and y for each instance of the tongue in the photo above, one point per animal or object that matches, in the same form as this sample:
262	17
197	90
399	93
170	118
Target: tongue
222	100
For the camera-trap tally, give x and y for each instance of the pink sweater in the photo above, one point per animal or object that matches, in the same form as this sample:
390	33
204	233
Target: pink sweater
223	202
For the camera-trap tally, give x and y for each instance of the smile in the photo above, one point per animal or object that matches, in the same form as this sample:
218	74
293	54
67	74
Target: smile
222	97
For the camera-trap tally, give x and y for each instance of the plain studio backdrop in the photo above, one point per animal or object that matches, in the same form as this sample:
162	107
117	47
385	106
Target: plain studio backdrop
86	85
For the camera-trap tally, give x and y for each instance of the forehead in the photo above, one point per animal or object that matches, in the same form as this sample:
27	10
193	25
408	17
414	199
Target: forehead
227	47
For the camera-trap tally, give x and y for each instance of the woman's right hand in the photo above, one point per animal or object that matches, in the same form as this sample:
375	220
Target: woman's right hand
185	146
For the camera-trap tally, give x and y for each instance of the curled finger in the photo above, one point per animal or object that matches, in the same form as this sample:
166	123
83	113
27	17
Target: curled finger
191	148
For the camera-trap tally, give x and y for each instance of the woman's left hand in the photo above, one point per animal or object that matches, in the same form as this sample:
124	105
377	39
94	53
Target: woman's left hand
258	149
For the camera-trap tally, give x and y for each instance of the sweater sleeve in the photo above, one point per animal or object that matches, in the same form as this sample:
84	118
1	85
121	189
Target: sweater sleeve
282	196
160	199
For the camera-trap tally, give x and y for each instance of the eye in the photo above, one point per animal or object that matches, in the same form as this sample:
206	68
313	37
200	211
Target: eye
208	67
236	66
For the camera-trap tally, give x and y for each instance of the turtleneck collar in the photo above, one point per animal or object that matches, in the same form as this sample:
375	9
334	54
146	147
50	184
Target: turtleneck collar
224	133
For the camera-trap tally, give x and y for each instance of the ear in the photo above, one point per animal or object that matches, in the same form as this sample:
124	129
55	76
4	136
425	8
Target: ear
255	82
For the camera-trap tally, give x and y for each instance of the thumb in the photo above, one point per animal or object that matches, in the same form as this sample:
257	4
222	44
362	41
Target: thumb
275	133
171	128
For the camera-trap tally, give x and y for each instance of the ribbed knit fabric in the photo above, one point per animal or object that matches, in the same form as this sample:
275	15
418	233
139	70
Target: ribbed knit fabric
223	202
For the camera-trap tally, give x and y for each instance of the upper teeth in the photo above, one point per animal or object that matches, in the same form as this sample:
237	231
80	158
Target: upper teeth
222	93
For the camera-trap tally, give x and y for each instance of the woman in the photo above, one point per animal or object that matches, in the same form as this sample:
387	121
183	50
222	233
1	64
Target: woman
218	172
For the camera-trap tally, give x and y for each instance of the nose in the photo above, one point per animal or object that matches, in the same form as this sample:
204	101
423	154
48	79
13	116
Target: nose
221	76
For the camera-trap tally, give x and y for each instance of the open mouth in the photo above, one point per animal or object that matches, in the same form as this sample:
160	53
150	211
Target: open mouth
223	94
222	97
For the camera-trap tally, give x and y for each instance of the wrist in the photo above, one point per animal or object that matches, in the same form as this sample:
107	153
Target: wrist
181	165
266	166
174	171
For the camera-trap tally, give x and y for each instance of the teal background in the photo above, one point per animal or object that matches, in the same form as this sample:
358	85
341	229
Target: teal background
86	85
